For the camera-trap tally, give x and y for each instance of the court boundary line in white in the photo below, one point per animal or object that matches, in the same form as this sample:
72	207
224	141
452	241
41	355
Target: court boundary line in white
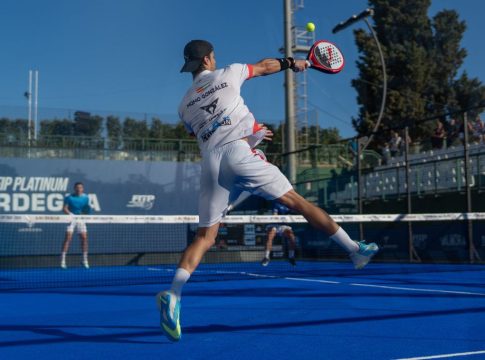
419	289
321	281
367	285
313	280
442	356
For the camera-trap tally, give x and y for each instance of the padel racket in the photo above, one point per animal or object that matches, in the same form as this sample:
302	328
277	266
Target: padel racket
326	57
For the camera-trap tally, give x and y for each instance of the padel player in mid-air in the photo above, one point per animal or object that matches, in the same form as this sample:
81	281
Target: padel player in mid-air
214	111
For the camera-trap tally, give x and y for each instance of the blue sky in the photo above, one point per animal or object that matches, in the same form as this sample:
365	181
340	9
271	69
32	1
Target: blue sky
125	55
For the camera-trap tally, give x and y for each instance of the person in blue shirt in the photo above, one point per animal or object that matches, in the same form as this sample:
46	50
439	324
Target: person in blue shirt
75	204
282	230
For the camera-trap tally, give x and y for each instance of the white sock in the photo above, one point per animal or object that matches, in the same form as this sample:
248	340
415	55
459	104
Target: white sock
63	257
179	280
85	257
291	254
266	254
343	239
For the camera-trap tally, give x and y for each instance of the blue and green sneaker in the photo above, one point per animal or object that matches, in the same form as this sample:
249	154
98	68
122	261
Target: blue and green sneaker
169	306
361	257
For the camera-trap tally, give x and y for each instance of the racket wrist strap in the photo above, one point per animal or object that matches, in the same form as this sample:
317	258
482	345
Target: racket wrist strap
286	63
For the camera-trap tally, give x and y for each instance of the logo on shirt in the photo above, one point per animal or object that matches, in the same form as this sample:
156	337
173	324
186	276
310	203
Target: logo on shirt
211	108
144	202
207	93
206	135
203	87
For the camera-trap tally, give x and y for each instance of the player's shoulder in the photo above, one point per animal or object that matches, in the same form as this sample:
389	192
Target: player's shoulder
235	67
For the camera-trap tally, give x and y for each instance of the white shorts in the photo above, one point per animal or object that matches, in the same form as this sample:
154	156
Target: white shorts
280	229
78	225
231	169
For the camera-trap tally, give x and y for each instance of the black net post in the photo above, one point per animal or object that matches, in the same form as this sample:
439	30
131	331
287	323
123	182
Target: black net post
413	256
359	185
469	205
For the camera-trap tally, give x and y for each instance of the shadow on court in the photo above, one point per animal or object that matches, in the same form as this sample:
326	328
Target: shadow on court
62	335
261	292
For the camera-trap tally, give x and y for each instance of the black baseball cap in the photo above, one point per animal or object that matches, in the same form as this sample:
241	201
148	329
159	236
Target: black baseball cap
194	53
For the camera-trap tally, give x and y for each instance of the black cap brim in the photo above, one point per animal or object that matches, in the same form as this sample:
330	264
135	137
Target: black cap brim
191	65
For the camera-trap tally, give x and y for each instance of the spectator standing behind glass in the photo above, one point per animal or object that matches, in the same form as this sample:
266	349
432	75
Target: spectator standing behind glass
403	144
462	130
395	143
478	130
439	136
386	154
452	132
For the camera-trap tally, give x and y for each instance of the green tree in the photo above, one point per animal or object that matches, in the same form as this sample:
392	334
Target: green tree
137	129
86	124
325	136
13	130
448	55
469	93
157	129
135	133
180	132
115	132
56	127
423	57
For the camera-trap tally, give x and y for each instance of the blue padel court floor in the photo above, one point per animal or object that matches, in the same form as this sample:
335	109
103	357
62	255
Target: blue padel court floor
314	311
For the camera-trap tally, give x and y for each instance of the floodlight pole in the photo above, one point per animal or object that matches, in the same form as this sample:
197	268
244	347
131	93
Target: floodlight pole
468	174
36	102
29	105
289	97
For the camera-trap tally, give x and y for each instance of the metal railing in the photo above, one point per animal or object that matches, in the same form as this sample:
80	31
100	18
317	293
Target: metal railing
84	147
146	149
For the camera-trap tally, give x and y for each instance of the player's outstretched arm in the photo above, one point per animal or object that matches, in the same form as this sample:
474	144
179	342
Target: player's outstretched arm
272	66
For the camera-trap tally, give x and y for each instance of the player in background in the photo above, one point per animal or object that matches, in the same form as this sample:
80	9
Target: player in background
75	204
214	111
285	231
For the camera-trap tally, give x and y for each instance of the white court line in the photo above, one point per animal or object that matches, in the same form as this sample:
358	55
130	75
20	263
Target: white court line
313	280
157	269
263	276
201	272
444	355
337	282
418	289
293	279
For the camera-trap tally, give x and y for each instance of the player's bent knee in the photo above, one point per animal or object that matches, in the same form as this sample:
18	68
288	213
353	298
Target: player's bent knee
293	200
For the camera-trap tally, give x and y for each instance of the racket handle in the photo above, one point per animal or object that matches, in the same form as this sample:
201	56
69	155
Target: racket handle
309	63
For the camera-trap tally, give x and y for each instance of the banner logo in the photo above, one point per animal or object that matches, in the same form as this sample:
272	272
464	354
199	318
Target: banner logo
37	194
144	202
30	227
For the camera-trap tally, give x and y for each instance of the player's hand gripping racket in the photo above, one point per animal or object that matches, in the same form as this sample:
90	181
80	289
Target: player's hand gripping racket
326	57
